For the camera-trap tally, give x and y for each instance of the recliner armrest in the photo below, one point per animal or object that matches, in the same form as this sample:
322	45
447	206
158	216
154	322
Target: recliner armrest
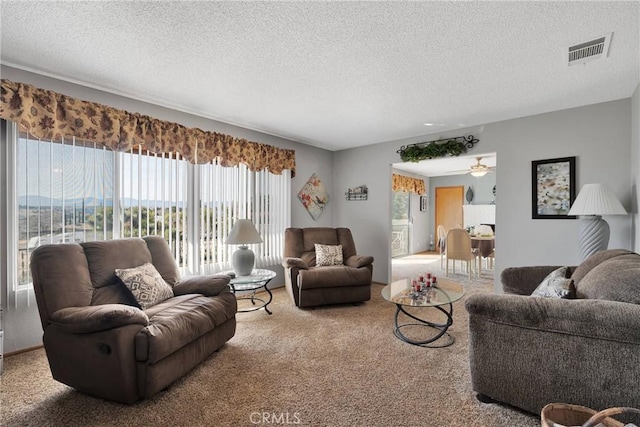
357	261
95	318
209	286
291	262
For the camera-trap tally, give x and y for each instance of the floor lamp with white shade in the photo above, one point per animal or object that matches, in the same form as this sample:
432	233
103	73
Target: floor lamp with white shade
593	201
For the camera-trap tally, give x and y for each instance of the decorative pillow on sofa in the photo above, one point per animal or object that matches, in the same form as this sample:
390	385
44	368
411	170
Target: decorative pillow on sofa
556	285
328	255
146	284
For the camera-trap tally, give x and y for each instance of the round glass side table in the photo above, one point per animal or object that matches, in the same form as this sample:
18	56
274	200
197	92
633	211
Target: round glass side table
245	288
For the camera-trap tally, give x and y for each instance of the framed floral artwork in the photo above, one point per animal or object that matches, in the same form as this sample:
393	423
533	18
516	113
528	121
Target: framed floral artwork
314	196
553	190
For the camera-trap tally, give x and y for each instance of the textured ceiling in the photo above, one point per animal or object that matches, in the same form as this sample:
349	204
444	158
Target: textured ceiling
333	74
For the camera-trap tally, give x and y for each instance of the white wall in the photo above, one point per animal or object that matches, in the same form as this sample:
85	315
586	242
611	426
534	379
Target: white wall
22	327
635	168
598	135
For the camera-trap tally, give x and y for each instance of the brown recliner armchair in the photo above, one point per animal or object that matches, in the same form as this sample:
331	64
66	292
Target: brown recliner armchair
310	285
96	337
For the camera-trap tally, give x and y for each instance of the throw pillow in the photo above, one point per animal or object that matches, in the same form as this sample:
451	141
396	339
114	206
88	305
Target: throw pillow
146	284
328	255
556	285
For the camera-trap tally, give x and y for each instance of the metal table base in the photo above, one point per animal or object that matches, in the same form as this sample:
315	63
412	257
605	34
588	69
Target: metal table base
441	328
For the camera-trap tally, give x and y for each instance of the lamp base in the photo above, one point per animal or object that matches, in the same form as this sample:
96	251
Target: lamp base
243	260
593	235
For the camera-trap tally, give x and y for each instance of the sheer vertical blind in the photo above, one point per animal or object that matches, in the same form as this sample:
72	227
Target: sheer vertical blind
271	215
72	190
154	199
228	194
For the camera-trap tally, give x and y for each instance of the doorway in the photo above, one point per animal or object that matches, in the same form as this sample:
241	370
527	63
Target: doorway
448	207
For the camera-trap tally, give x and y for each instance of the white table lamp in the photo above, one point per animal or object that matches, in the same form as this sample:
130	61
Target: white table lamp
593	201
243	233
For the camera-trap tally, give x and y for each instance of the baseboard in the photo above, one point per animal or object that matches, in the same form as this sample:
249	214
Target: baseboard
24	350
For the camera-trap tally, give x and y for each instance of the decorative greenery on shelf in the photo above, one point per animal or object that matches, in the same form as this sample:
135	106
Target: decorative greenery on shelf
439	148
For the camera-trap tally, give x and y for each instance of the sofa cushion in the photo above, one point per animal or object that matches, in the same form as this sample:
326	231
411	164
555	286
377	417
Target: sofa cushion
556	285
103	257
328	255
595	260
163	259
322	235
333	276
179	321
616	279
146	284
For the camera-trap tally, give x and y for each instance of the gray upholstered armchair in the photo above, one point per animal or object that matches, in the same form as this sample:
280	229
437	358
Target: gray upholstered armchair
310	284
126	342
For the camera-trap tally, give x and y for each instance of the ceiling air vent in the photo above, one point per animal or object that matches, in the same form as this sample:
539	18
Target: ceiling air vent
589	51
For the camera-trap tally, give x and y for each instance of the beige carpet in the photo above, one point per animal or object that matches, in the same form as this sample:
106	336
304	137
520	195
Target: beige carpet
334	366
414	265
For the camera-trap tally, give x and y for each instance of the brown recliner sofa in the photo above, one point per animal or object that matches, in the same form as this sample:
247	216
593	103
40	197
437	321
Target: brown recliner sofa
529	351
96	338
309	285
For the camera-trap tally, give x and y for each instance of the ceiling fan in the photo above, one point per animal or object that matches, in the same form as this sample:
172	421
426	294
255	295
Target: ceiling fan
478	169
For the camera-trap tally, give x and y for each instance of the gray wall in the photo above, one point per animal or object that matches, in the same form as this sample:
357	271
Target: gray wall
22	327
598	135
482	190
635	168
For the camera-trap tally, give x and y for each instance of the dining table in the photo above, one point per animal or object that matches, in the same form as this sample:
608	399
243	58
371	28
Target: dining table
484	244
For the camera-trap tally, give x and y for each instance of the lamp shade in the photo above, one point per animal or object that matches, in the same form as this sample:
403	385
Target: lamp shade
596	199
242	233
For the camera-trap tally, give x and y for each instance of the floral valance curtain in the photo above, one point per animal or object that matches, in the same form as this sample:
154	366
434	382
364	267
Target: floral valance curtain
50	115
408	184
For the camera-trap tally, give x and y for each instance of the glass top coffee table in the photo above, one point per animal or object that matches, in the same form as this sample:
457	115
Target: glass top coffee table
440	297
249	285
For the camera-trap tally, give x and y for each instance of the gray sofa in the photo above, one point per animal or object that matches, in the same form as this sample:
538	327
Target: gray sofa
96	337
529	351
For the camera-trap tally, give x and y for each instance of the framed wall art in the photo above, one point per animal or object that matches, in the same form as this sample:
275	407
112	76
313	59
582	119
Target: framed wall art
424	203
553	188
314	196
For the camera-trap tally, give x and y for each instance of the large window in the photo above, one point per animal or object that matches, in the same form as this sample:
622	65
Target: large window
74	191
65	193
154	199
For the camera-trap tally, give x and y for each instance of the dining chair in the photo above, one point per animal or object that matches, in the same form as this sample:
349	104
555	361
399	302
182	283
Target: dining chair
458	247
442	236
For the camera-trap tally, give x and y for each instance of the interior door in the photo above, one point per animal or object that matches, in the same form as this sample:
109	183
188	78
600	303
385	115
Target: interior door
449	201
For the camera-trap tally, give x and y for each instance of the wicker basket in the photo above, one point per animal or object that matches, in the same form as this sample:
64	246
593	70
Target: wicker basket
565	415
